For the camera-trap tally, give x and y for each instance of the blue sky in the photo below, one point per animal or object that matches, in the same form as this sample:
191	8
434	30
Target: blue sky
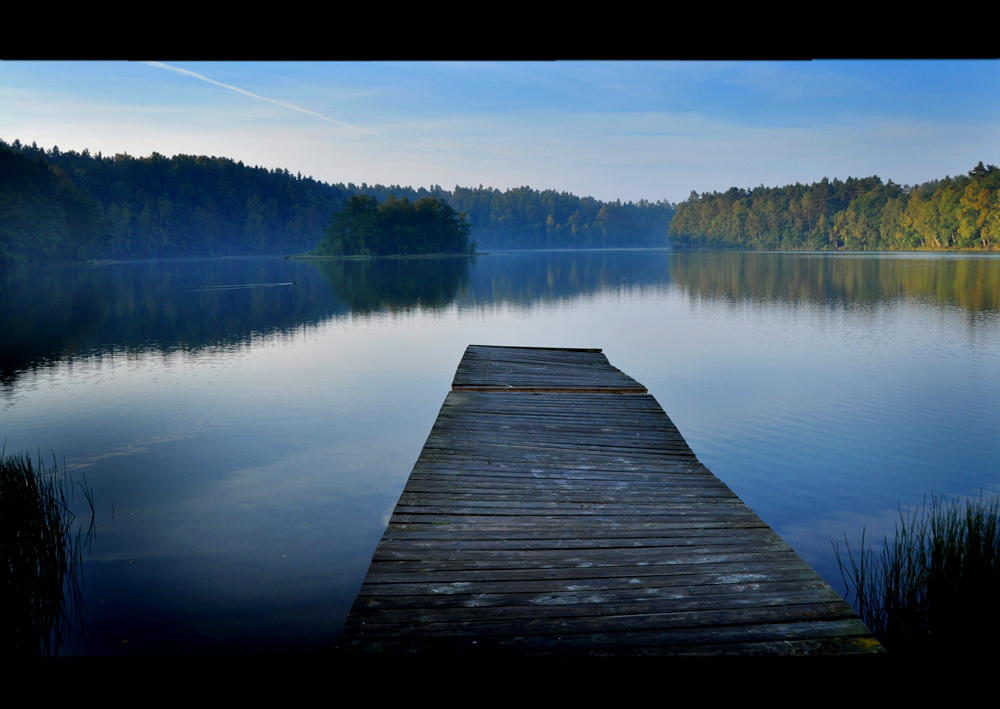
611	130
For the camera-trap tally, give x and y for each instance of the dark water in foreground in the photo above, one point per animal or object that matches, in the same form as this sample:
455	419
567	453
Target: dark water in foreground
253	422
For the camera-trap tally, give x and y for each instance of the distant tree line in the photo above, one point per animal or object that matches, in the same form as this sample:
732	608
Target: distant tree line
525	218
397	227
58	205
858	214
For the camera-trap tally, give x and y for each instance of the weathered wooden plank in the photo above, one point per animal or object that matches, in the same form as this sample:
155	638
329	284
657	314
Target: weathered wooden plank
408	545
712	580
598	523
514	369
418	535
646	637
481	620
555	509
760	564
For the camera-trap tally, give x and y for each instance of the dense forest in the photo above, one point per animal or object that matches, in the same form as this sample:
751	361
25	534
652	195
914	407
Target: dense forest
858	214
43	215
57	206
526	218
397	227
60	206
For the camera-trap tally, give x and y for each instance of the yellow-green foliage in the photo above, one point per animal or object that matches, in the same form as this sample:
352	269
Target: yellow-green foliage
857	214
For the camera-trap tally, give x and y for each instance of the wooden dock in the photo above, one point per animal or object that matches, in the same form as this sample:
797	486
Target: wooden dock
555	509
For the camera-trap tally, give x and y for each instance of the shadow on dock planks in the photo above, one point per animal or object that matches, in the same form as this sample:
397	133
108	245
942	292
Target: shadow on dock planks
555	509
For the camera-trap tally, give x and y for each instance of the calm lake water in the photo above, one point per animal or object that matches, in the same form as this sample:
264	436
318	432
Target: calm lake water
247	425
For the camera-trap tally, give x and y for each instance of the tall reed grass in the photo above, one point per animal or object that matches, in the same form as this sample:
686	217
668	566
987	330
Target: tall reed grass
935	586
41	556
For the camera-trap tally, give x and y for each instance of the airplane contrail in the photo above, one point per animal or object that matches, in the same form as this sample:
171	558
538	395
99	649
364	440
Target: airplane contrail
185	72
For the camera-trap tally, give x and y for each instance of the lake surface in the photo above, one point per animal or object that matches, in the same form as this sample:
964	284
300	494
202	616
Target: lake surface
247	425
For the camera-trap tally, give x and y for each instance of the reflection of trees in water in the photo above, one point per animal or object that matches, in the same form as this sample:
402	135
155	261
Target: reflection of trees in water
521	278
41	556
972	284
527	277
45	310
52	314
369	286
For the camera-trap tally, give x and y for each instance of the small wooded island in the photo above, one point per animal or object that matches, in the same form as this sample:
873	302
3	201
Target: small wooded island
397	227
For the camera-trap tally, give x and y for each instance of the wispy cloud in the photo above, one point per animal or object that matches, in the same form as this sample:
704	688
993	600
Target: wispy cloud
276	102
